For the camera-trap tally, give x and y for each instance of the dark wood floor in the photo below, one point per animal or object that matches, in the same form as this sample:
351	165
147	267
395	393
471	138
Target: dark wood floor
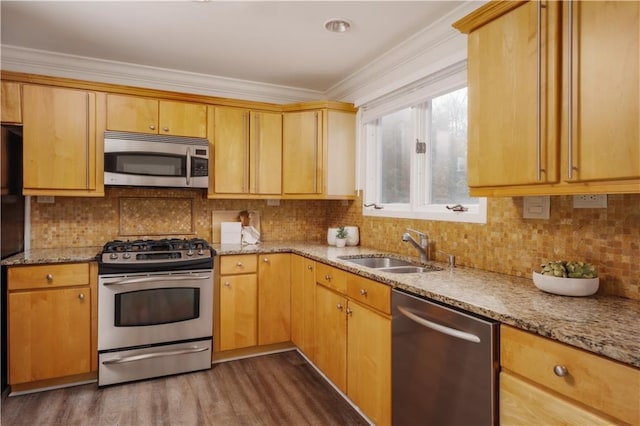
277	389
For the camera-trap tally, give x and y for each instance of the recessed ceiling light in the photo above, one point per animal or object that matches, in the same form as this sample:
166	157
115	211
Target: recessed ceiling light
337	25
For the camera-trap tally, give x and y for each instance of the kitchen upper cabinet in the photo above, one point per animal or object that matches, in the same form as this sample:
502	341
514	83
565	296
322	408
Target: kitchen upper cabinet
274	298
235	325
52	313
148	115
353	339
247	153
546	382
11	105
547	112
319	154
62	155
303	301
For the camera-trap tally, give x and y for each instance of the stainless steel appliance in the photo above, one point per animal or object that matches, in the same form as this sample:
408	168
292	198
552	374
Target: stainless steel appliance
445	365
138	159
155	309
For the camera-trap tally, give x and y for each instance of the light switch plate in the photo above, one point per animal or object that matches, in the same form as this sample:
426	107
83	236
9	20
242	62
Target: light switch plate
590	201
536	207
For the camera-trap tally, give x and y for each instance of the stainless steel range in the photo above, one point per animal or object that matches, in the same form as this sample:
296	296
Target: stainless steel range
155	308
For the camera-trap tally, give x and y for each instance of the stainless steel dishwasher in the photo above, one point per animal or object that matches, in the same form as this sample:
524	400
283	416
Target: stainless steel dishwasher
445	365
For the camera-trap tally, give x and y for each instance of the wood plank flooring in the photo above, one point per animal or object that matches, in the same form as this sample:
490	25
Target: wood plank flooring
277	389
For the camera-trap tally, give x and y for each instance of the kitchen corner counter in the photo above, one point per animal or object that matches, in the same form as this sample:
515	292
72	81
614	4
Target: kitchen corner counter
53	255
604	325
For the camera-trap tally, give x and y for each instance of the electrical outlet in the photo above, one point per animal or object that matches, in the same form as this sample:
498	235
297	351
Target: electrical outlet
590	201
536	207
273	202
45	199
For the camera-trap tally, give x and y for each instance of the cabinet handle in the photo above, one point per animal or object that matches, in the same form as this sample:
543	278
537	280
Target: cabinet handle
315	158
560	370
81	296
363	292
327	277
570	92
265	260
245	137
227	284
49	277
256	129
339	306
539	93
152	126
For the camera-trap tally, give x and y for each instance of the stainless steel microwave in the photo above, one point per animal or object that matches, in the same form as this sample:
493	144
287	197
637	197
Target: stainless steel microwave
137	159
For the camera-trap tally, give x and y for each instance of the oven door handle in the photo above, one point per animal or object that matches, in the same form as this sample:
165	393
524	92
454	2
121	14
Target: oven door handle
156	279
159	354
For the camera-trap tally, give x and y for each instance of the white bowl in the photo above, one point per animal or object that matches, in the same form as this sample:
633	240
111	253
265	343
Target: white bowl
566	286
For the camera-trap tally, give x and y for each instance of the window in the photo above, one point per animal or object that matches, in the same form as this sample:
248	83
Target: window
415	154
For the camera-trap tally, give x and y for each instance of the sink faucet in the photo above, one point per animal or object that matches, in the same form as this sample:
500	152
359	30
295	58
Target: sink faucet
422	247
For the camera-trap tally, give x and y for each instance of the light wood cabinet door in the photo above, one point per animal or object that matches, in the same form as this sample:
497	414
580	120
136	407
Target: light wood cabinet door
302	153
238	305
183	119
49	334
303	304
10	106
59	139
230	150
274	298
265	150
331	336
605	89
369	362
505	100
132	114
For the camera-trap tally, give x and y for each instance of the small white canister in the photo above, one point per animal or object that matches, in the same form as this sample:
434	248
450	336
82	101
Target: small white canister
353	235
331	236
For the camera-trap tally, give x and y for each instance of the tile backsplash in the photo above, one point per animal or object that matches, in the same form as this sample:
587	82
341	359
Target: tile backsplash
507	243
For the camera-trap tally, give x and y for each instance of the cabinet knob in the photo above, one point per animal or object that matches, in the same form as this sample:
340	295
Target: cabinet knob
339	306
349	311
239	264
309	267
49	277
81	296
227	284
327	277
152	126
265	260
165	129
363	291
560	370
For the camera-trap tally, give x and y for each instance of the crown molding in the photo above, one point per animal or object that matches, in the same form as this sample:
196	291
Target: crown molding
436	47
55	64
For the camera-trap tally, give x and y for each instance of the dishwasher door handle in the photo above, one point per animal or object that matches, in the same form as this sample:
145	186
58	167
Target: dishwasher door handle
439	327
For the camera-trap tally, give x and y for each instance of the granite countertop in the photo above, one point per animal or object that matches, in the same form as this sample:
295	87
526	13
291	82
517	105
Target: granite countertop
604	325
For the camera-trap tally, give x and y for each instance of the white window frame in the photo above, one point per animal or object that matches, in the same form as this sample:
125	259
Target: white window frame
417	93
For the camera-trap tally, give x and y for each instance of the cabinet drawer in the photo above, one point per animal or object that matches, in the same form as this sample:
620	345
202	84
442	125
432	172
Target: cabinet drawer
605	385
331	277
369	292
240	264
47	276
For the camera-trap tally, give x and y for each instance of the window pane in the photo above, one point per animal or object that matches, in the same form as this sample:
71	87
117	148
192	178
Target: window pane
449	149
395	160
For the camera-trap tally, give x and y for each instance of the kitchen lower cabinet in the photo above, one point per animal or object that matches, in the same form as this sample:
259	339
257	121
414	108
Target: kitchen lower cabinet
11	103
274	298
52	326
544	102
546	382
353	342
303	301
62	154
236	307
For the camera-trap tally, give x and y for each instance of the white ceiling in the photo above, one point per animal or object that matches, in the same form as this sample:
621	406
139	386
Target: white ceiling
268	42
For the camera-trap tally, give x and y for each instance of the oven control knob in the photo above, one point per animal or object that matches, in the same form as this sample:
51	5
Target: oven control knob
127	255
113	256
190	252
201	252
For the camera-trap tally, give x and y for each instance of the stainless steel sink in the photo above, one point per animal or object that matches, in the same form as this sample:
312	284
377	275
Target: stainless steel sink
389	264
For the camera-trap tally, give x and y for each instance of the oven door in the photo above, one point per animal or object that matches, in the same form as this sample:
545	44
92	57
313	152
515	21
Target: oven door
148	308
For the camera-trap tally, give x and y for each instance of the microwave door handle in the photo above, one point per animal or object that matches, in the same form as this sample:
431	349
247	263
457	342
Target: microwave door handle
188	166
